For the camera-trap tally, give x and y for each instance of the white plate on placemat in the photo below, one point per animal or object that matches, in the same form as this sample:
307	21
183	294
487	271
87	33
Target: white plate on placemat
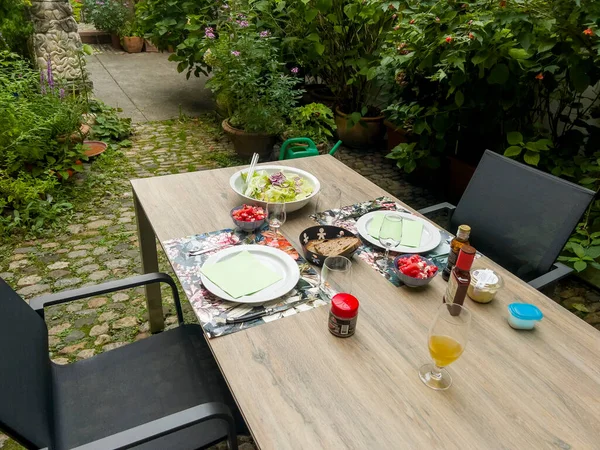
275	259
430	238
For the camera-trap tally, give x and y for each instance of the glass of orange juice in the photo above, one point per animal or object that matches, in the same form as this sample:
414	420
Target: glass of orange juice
447	340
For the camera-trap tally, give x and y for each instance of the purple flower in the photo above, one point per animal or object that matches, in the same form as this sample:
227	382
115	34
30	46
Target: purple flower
295	70
264	34
61	93
209	33
50	76
42	83
235	53
243	23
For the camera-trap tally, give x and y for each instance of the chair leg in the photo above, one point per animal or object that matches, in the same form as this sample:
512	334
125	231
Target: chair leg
232	439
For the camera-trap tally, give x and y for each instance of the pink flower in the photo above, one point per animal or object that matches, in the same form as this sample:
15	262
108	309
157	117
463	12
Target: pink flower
243	23
264	34
235	53
295	70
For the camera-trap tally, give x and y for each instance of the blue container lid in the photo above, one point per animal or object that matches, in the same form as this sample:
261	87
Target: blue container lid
525	311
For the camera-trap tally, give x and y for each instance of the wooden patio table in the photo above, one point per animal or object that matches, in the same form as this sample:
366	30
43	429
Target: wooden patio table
300	387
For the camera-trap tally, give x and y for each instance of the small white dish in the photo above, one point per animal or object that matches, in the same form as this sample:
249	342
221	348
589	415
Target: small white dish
277	260
430	237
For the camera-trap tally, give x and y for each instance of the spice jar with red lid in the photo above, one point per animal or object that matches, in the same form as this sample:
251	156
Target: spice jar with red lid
343	315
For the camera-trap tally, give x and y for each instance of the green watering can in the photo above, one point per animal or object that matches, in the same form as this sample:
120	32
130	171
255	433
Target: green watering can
301	148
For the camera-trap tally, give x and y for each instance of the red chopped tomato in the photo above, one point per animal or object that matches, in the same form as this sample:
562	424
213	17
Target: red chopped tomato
416	267
249	213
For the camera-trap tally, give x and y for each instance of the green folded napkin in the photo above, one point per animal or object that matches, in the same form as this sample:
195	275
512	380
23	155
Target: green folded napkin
411	230
242	274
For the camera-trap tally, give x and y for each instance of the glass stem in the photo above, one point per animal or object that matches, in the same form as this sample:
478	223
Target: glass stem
387	254
436	372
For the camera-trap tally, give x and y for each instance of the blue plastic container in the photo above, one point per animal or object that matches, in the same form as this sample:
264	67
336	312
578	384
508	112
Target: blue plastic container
523	316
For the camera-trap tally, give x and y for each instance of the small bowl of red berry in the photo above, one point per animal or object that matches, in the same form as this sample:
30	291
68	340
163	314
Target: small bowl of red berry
248	217
414	270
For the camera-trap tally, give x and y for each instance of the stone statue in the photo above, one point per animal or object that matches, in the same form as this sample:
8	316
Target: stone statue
56	39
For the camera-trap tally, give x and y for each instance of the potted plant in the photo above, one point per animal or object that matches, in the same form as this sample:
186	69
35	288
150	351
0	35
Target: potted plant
340	43
251	82
107	15
314	121
131	39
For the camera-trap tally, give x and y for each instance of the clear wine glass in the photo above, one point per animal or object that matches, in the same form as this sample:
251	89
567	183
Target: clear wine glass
329	199
336	276
447	340
390	233
276	217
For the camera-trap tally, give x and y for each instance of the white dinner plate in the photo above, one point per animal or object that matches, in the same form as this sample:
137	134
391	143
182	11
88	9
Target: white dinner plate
430	238
277	260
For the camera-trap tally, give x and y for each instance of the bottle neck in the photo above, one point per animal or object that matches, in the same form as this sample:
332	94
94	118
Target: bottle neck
463	235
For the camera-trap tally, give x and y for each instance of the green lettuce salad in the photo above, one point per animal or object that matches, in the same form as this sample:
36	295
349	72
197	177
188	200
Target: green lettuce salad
280	187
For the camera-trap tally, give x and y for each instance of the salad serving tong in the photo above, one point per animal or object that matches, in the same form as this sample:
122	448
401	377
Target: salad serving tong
250	173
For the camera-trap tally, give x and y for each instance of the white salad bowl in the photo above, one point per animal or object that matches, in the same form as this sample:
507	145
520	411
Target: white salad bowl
238	185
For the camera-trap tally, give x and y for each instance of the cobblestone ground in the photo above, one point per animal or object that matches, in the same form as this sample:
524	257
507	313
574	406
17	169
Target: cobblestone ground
101	241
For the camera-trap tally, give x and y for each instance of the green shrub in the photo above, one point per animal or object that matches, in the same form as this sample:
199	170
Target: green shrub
15	26
314	121
106	15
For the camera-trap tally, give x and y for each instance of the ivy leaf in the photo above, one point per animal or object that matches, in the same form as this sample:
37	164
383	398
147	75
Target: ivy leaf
310	15
319	48
578	250
514	137
531	158
459	98
580	266
513	150
546	45
499	74
420	126
519	53
588	180
580	307
593	252
480	57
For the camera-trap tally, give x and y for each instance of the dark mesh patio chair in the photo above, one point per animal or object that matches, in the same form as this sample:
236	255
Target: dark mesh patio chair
520	217
163	392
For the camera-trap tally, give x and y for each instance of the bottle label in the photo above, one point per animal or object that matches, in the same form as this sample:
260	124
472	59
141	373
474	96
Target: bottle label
452	257
451	290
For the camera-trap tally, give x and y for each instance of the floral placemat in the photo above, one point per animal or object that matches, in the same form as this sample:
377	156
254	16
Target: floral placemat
212	311
373	255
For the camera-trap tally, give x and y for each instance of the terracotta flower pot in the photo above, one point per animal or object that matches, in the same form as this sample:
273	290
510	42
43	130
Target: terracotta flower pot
71	172
133	44
367	133
395	135
115	41
94	148
84	130
246	144
150	47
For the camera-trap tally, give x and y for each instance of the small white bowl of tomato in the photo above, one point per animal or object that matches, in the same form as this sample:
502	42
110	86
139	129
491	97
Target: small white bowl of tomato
248	217
414	270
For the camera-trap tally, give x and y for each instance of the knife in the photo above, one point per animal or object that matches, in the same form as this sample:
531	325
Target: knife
267	312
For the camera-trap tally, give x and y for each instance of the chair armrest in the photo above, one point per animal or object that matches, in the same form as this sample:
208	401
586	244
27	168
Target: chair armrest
437	207
167	425
558	272
39	303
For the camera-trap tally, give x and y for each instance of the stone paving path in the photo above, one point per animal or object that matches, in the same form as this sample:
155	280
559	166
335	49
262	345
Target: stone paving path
101	242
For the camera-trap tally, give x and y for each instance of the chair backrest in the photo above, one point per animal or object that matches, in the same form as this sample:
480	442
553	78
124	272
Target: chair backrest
25	377
519	216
